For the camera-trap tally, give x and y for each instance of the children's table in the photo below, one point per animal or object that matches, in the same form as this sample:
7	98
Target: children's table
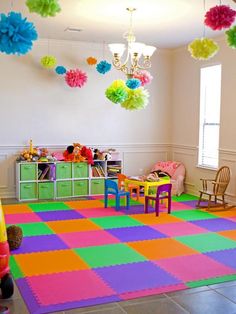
146	184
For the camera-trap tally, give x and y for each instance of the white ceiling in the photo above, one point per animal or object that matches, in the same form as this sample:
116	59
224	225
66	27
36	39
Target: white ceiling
163	23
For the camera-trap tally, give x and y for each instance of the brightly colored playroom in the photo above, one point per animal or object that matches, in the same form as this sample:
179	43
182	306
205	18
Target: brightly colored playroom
117	157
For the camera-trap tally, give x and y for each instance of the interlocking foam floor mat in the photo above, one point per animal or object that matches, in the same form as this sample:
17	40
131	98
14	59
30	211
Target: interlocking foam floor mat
78	253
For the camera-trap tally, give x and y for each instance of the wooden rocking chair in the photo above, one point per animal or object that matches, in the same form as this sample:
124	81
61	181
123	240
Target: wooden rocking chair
220	184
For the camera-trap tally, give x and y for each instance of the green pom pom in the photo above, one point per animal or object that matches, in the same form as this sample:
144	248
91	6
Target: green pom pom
137	99
44	7
117	92
231	37
203	49
48	62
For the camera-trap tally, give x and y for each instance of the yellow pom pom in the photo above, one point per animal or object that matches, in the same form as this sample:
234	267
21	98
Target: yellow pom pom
48	62
203	49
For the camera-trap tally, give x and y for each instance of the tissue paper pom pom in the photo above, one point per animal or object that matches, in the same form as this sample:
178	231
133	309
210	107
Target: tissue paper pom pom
137	99
144	77
44	7
133	83
117	92
231	37
48	62
103	67
220	16
203	49
60	70
75	78
91	61
16	34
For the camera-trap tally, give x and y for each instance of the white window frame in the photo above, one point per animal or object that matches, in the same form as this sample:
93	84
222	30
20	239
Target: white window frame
208	158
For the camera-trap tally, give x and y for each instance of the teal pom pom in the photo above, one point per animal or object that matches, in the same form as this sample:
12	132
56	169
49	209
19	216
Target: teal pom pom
44	7
103	67
16	34
231	37
60	70
137	99
133	83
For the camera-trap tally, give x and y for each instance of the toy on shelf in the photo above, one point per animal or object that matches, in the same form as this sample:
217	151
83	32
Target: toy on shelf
30	154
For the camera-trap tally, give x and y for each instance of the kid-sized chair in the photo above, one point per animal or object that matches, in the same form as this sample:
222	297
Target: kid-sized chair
163	192
132	188
111	187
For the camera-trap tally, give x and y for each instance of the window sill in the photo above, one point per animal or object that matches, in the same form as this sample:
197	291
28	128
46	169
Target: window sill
206	167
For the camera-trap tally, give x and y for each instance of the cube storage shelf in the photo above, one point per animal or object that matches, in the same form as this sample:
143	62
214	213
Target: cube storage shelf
56	180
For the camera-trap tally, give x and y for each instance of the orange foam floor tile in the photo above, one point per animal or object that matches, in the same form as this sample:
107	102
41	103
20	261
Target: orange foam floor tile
152	219
225	213
85	204
161	248
16	209
74	225
49	262
231	234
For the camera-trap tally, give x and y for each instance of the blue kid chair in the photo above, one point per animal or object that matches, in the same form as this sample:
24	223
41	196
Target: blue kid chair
111	187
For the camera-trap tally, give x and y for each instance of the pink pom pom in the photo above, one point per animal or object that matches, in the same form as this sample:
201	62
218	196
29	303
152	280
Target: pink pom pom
144	77
75	78
220	16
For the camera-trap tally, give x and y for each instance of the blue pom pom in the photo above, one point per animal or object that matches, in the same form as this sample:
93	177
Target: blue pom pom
133	83
16	34
103	67
60	70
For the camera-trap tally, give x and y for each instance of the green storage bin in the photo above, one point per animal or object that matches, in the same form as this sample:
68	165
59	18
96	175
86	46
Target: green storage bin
28	191
80	170
81	187
97	186
46	190
64	189
63	170
28	172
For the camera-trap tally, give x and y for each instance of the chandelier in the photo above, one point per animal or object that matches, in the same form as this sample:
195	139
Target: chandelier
135	51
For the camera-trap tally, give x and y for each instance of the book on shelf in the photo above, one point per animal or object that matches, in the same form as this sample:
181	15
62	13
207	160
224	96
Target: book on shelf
40	171
44	173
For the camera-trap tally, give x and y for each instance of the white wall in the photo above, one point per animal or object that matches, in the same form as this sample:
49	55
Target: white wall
185	113
36	103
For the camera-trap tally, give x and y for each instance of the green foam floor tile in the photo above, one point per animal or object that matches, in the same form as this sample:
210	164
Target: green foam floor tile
108	255
42	207
15	270
194	214
116	222
112	202
185	197
207	242
35	229
211	281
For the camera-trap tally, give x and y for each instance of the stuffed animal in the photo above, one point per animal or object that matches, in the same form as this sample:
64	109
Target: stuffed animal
69	153
87	153
77	153
14	237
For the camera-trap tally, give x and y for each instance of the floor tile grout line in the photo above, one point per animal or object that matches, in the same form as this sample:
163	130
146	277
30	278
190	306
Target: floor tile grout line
120	307
223	295
180	306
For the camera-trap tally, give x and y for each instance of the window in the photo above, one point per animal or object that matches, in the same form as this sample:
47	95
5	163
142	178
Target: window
209	129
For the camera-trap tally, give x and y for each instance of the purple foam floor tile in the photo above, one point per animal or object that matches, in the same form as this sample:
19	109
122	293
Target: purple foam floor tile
135	277
139	233
215	225
226	257
59	215
190	203
135	209
40	243
28	296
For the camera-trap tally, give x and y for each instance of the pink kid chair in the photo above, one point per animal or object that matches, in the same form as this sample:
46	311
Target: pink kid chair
163	192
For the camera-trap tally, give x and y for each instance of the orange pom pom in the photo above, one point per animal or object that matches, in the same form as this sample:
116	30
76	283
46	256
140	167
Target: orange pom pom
91	61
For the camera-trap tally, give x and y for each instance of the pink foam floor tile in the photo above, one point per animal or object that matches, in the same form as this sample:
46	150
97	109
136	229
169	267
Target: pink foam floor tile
175	206
99	212
232	218
194	267
144	293
88	238
12	219
179	229
68	287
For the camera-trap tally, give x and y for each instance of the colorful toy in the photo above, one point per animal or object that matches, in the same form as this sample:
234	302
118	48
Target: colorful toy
87	153
14	237
69	153
6	285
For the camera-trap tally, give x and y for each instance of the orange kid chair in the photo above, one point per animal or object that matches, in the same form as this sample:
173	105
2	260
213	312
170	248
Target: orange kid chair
132	188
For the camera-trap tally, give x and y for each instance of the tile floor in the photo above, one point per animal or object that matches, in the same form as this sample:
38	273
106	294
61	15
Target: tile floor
212	299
